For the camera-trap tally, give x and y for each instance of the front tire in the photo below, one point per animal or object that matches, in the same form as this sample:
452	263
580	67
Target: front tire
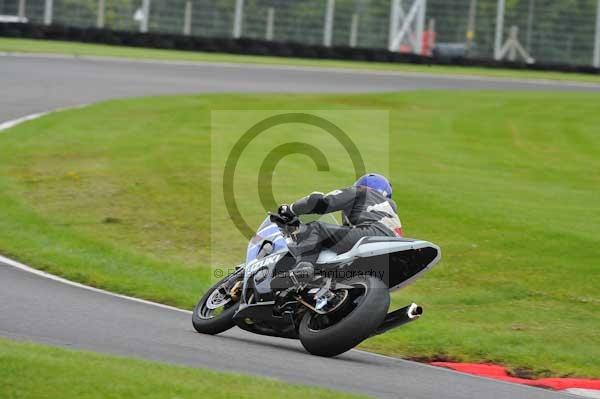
208	317
363	315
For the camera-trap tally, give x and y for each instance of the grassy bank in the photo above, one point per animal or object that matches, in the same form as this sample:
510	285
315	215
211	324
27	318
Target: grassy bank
37	371
84	49
117	195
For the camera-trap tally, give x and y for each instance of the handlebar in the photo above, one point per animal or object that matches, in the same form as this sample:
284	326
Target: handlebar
287	226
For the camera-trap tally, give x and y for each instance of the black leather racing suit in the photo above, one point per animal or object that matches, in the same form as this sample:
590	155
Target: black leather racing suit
365	212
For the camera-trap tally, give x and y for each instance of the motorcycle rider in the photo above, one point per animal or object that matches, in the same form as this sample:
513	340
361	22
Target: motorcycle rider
367	210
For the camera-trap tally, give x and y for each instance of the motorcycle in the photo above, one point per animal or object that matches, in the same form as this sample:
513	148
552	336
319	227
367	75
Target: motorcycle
331	307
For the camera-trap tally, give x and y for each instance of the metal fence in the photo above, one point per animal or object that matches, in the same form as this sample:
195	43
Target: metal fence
561	31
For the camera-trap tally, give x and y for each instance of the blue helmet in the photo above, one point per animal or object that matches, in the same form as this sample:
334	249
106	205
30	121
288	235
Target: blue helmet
376	182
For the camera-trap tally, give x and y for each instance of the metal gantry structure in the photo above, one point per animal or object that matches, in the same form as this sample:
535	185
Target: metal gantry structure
512	46
407	27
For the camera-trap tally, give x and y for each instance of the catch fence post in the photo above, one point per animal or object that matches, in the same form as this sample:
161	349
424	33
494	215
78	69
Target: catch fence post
270	23
146	16
499	29
328	29
100	19
530	18
395	12
48	6
596	62
420	27
471	24
21	12
237	20
187	18
354	30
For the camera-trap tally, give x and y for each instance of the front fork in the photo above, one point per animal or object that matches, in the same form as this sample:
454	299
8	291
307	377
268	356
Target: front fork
233	286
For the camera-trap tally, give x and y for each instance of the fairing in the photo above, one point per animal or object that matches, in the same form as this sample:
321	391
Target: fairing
267	231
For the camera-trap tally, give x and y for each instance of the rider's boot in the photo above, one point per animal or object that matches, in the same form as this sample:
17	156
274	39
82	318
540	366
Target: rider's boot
303	272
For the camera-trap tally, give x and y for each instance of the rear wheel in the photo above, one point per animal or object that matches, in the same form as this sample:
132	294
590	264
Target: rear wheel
214	312
350	323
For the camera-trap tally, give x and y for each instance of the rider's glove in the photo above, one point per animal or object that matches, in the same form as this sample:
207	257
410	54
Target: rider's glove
285	212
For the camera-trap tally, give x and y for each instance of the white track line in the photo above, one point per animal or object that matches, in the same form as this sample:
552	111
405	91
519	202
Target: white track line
21	266
305	68
588	393
14	122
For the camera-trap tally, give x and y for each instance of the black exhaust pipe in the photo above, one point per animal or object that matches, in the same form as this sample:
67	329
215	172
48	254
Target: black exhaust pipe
399	317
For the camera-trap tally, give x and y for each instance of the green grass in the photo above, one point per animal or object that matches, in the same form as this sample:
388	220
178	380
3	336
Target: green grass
37	371
117	195
84	49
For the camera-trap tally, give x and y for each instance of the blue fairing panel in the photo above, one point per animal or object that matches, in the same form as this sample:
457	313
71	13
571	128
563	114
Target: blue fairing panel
267	231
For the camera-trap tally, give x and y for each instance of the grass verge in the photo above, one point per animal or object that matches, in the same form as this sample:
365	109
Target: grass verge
38	371
116	195
84	49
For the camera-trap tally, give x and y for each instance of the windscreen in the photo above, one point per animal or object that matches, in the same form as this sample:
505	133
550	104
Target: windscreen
266	231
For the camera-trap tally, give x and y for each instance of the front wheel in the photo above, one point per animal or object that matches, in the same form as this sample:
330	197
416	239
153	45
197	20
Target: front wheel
214	312
363	310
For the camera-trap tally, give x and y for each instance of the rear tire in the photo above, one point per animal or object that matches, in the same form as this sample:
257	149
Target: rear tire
354	328
217	323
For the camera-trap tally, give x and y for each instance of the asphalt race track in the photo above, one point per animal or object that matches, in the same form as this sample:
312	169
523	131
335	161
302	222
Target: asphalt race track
42	310
30	84
34	308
